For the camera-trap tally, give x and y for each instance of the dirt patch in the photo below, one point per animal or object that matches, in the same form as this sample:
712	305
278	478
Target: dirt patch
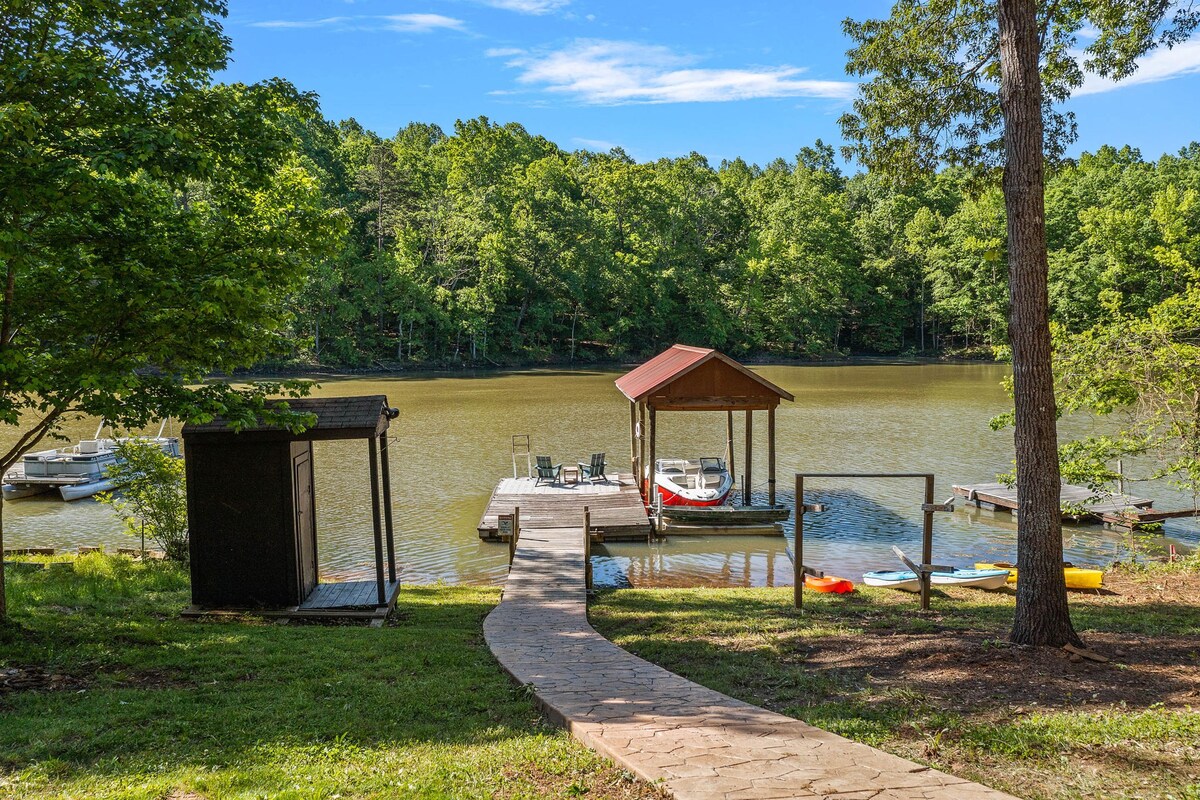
966	671
971	670
609	783
34	679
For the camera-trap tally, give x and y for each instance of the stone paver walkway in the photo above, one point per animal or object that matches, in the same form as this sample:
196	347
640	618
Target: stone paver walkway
700	743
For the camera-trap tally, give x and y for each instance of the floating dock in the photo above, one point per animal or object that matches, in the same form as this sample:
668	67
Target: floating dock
616	507
1117	510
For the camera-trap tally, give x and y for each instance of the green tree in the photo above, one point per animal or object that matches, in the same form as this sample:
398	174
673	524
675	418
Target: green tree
976	83
151	496
151	222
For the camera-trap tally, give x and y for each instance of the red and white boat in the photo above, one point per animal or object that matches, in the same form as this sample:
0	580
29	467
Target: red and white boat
683	482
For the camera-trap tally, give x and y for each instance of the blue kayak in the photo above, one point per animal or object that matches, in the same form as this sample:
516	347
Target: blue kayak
897	579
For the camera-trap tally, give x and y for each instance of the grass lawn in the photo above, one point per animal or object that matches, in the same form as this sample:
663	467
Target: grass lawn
945	688
105	692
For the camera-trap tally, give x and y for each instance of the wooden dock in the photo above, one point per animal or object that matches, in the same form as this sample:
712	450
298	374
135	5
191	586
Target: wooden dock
616	507
1118	510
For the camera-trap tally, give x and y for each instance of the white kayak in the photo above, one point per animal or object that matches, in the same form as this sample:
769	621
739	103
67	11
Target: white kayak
908	581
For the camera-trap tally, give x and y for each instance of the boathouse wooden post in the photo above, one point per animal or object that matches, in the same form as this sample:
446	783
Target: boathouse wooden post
374	459
641	476
771	456
798	547
633	437
651	491
387	508
748	483
729	444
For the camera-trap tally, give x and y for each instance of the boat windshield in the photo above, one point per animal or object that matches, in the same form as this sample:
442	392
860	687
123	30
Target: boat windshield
712	465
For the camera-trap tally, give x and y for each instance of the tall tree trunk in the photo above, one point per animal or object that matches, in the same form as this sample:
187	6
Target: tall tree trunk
3	594
1042	616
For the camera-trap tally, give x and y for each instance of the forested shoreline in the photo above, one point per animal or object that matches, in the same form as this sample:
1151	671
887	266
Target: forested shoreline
493	246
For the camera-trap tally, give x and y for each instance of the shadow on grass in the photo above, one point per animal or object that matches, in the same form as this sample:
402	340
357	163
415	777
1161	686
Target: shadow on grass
161	690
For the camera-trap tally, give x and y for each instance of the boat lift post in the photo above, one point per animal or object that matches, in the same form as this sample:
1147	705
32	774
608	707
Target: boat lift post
924	569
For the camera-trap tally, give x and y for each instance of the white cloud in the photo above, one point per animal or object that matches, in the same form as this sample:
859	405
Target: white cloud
420	23
599	145
1161	65
602	72
400	23
527	6
302	23
503	52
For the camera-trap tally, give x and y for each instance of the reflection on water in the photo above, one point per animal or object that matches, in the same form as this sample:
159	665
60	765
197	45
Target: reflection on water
452	443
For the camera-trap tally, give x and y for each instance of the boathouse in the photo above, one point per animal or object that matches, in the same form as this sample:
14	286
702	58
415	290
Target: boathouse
684	378
252	513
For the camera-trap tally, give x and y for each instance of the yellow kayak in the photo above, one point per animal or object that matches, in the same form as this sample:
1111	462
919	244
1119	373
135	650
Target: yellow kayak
1077	577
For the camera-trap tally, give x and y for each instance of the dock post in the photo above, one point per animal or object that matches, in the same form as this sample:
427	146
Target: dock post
748	483
587	547
771	456
640	477
633	438
729	444
798	547
926	541
651	488
374	459
388	527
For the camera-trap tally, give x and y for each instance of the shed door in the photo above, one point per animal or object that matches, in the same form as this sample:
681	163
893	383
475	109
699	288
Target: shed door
306	543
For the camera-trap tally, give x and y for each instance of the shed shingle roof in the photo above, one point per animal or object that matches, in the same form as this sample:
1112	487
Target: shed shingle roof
337	417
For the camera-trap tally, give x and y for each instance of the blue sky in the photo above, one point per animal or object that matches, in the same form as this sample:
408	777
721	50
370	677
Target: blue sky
752	78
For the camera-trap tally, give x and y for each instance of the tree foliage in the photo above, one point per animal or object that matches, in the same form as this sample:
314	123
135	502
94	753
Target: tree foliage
977	85
151	496
152	223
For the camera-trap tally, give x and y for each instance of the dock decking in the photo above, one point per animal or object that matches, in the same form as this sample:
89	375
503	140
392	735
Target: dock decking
616	507
1120	509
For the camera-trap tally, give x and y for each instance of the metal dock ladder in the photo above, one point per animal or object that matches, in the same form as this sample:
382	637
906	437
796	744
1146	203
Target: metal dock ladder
522	447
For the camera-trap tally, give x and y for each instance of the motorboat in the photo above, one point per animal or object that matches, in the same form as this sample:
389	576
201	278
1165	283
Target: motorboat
686	482
78	471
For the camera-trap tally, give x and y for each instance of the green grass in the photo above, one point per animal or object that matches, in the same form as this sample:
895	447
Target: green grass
157	707
826	665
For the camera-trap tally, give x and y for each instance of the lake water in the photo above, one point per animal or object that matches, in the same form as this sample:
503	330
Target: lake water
452	443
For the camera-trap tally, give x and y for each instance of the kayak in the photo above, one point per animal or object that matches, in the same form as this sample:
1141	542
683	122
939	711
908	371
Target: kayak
830	583
909	582
974	578
1077	577
896	579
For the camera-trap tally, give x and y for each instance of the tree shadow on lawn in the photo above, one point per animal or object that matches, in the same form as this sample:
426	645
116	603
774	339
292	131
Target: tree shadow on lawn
158	689
870	647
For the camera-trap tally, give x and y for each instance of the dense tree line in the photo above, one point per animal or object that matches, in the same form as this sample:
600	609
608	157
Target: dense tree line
493	244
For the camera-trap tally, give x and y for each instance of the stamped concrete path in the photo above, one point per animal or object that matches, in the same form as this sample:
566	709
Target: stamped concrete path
700	743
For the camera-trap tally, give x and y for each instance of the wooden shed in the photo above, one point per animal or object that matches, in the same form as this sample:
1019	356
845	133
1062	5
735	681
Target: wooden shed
252	513
684	378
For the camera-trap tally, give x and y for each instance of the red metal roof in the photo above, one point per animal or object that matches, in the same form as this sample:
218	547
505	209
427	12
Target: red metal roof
674	363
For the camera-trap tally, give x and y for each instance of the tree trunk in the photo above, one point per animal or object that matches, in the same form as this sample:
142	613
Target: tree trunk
1042	616
3	591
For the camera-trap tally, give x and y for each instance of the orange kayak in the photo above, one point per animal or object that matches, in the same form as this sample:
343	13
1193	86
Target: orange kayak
830	583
